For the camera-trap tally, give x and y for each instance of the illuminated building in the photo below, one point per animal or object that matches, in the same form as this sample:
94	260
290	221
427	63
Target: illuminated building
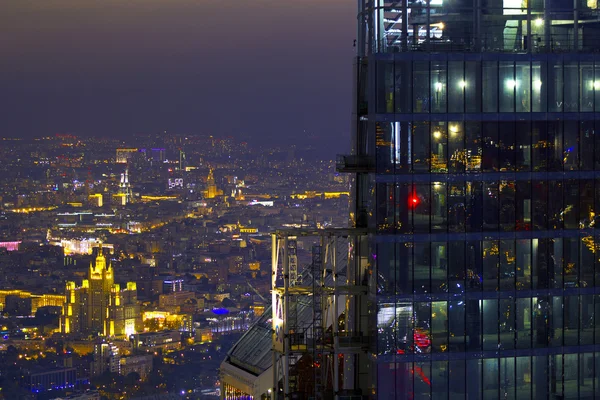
33	301
125	188
10	246
99	306
154	341
124	155
211	187
106	358
474	149
96	200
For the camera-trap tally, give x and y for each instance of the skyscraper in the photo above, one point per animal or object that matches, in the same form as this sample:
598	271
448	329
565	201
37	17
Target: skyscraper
99	306
476	176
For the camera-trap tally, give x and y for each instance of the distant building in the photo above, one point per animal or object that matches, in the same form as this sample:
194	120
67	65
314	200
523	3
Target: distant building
124	155
211	187
140	364
106	358
42	379
153	341
99	306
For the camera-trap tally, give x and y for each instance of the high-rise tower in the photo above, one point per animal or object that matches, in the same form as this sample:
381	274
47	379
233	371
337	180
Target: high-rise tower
99	306
474	148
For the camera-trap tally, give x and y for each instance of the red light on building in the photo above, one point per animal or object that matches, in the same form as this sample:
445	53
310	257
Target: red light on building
413	200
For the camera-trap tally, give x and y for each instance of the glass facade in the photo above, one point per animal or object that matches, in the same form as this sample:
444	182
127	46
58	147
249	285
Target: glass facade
480	119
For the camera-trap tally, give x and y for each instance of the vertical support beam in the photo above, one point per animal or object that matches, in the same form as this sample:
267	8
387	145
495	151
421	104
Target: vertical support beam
404	35
334	323
529	41
286	312
477	25
275	389
547	26
576	25
274	241
428	28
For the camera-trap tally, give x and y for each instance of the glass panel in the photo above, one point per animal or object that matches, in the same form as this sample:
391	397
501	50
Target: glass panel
491	379
438	86
456	87
385	87
523	146
540	381
473	86
420	87
538	86
506	324
422	335
523	86
421	200
555	204
586	376
490	144
456	207
456	267
539	318
457	377
523	378
422	380
571	86
490	86
439	267
555	268
474	206
475	379
507	378
403	86
439	147
556	322
439	326
571	145
490	324
439	380
490	206
586	320
571	262
571	318
556	376
490	265
474	266
420	147
506	146
473	148
571	375
539	191
586	77
508	86
524	260
404	379
524	323
507	265
523	206
456	147
506	208
586	145
555	86
456	325
422	278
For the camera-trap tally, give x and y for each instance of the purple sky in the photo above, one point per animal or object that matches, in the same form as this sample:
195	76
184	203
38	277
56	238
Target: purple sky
255	69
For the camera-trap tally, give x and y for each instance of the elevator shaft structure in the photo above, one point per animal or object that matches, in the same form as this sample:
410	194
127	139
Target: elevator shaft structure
320	336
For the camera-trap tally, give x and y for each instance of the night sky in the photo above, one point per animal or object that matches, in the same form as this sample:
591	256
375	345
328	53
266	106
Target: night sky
255	69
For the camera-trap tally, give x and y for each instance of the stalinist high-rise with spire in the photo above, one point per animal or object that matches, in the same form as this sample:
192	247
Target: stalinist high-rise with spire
99	306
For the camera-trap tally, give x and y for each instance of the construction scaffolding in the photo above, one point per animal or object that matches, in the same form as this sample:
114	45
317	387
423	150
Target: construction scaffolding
320	314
